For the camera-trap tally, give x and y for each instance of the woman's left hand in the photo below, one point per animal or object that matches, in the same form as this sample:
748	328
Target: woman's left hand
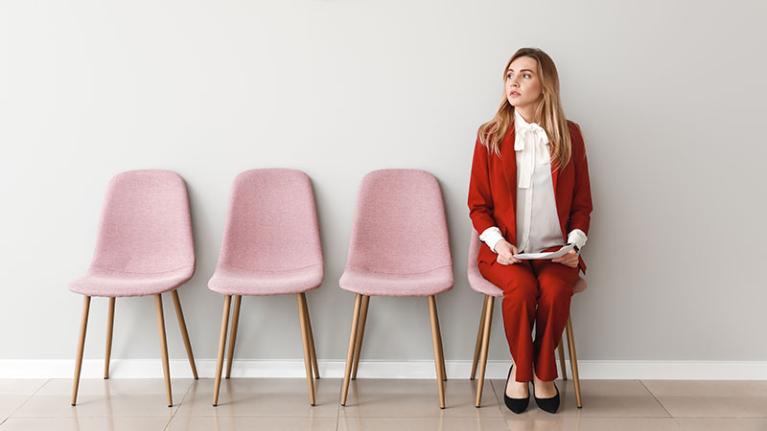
570	259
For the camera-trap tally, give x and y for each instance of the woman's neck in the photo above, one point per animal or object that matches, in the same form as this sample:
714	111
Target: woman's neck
527	112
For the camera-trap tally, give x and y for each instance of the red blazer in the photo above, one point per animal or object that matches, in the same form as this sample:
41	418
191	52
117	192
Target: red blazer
493	191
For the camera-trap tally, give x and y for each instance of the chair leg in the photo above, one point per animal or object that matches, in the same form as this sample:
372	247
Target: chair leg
574	363
350	352
479	340
562	365
221	348
439	345
80	347
110	326
315	367
164	348
233	335
307	348
437	351
360	335
487	323
184	331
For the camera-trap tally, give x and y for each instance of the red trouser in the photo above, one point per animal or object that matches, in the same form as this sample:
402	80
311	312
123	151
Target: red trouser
533	291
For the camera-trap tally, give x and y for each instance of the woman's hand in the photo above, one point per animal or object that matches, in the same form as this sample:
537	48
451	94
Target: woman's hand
505	251
570	259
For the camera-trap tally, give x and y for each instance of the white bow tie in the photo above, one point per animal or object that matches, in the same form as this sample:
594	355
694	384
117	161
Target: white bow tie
539	141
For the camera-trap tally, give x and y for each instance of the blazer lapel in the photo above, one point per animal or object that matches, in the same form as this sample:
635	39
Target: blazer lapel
554	178
509	163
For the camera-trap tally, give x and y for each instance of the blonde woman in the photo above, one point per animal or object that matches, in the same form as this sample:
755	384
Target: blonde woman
529	192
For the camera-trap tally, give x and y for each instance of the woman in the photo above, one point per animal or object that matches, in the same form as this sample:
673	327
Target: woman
529	192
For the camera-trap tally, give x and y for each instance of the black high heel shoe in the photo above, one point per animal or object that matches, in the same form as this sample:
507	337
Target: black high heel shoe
516	405
550	405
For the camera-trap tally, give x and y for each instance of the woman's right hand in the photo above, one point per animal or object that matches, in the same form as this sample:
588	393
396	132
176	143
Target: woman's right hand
505	252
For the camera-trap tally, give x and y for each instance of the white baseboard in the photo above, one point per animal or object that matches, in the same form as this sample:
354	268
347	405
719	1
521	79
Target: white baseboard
422	369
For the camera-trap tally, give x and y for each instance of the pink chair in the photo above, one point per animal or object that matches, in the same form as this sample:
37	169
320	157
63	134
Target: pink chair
145	247
399	247
271	247
491	291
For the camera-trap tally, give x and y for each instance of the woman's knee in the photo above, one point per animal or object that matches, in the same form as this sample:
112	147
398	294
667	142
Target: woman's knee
555	293
520	290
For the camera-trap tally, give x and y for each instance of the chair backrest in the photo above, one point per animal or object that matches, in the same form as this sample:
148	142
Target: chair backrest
476	281
145	226
272	223
400	225
474	243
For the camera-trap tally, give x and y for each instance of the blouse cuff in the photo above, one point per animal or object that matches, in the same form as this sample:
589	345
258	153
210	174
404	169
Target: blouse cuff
491	236
577	237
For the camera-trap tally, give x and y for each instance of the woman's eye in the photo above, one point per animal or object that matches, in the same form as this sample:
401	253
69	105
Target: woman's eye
527	75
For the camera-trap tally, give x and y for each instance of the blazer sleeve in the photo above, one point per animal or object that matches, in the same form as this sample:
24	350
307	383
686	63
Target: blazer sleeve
580	211
480	197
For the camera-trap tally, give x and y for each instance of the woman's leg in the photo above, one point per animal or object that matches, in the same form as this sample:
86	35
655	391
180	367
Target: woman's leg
520	290
556	283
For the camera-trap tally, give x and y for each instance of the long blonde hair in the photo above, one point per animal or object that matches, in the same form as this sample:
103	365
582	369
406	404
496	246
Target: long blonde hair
548	113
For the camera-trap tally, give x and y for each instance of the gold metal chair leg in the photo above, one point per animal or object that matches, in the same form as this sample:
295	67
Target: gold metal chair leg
80	347
360	335
487	323
110	327
562	365
438	359
574	363
184	331
315	367
350	352
478	344
233	335
307	348
164	348
221	348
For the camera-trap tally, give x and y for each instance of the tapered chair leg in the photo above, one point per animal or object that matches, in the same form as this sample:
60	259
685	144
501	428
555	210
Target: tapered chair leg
360	335
439	345
80	347
233	335
487	322
307	348
574	363
562	365
184	332
164	348
350	352
438	364
478	344
315	367
221	348
110	326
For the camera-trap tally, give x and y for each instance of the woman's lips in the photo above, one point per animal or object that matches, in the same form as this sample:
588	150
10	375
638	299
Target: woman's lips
514	94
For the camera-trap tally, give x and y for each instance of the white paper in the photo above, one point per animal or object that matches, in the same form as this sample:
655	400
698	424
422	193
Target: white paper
545	255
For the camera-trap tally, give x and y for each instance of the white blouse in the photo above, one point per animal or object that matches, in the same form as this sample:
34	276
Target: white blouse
537	221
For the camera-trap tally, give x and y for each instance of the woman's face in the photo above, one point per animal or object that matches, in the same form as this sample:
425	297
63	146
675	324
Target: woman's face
523	87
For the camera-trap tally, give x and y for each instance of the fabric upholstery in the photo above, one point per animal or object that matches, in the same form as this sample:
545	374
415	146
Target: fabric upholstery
399	243
271	242
145	244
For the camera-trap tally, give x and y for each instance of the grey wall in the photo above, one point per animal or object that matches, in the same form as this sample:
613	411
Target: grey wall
670	96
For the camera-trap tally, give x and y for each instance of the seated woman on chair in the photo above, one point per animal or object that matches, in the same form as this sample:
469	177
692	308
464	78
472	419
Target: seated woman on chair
529	192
